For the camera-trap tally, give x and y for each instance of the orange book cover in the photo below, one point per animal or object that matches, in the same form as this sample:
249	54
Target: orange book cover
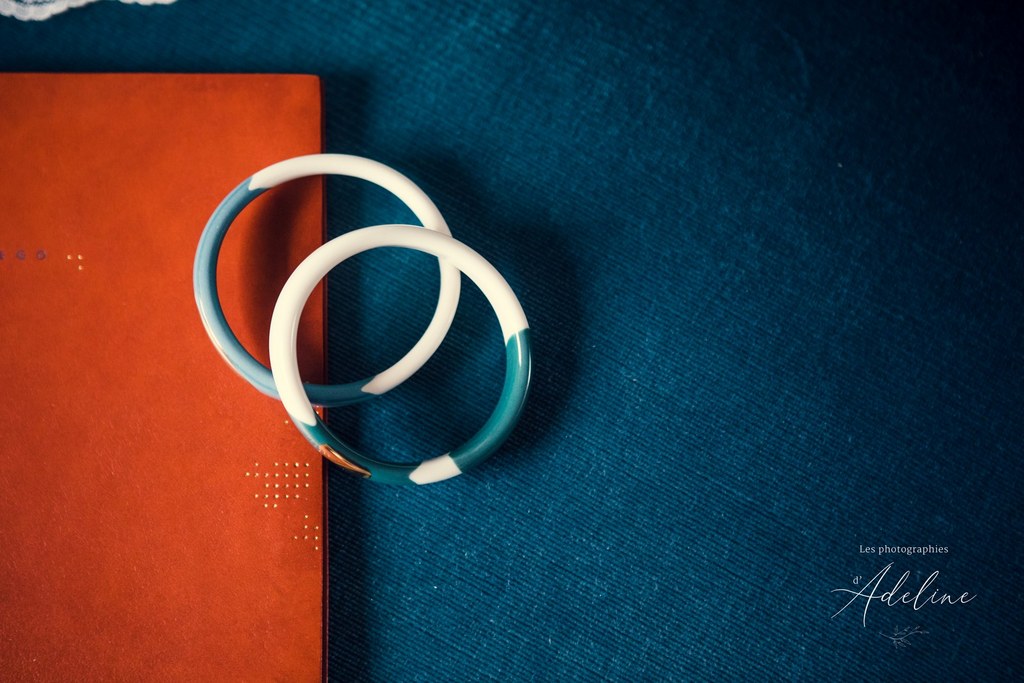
159	519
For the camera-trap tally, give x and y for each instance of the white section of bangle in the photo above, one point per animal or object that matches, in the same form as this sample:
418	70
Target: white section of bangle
355	167
434	470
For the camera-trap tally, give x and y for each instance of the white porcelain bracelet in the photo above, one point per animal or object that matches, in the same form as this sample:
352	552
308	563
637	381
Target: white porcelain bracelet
284	361
204	274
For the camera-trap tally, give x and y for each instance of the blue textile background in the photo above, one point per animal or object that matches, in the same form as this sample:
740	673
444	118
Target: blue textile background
772	258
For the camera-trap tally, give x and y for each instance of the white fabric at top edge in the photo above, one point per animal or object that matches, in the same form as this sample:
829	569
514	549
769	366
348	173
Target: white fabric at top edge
38	10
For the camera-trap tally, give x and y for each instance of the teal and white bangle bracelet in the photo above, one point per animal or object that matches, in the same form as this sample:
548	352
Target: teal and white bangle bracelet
204	274
514	328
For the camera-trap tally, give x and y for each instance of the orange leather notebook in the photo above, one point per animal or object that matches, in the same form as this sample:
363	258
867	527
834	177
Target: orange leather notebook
159	519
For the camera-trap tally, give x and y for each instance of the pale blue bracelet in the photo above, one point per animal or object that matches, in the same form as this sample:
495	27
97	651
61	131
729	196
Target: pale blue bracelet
204	274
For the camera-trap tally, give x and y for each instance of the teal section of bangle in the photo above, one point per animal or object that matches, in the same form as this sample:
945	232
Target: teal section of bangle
518	368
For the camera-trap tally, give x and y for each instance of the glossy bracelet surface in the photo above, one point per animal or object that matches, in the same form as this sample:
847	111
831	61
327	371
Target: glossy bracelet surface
514	327
204	274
